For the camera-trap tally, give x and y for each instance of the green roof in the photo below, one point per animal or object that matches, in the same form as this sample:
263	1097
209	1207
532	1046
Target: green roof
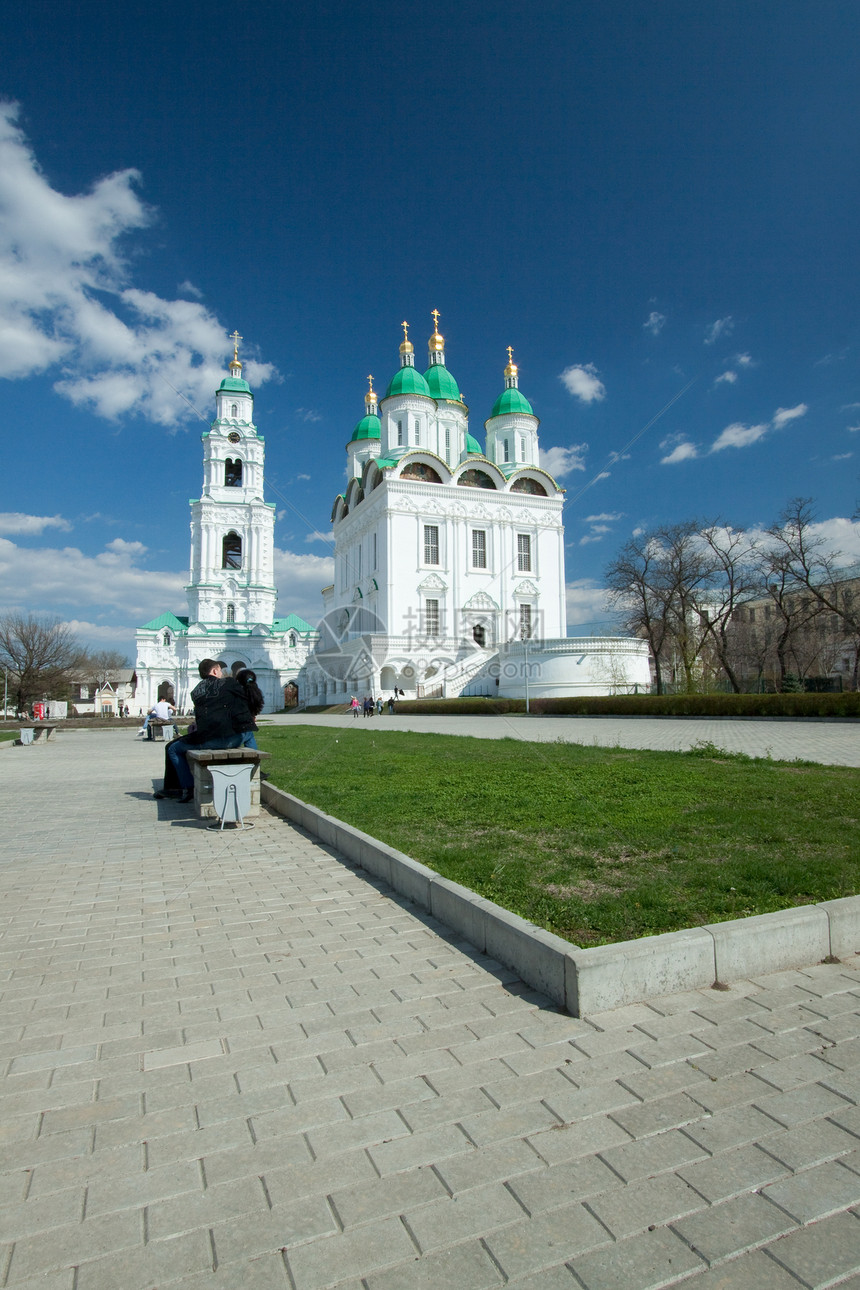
441	383
407	381
368	428
166	620
511	401
473	447
233	385
385	462
292	623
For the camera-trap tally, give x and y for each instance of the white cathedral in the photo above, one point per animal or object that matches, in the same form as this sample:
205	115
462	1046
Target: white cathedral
449	560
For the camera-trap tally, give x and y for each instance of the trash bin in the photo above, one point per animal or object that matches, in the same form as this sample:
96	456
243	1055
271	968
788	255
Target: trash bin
231	792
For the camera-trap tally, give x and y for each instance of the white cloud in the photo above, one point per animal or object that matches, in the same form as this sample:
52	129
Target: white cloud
16	522
302	476
57	579
852	429
842	456
318	536
728	378
586	601
561	461
300	579
594	536
743	360
783	415
604	474
722	327
308	414
66	298
683	451
605	517
737	435
582	381
187	288
654	323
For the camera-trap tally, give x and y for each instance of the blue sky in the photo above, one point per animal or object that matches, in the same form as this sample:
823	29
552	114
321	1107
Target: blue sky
655	203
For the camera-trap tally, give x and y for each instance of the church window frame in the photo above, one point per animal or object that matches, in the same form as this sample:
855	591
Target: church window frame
165	640
431	544
231	550
479	635
230	615
526	627
293	640
374	550
233	472
234	411
524	553
447	440
417	433
506	450
479	548
399	434
432	617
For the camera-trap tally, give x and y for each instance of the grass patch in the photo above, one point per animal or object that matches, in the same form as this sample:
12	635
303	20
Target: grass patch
594	844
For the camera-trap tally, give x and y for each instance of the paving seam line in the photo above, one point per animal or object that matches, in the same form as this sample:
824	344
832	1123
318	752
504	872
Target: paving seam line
606	976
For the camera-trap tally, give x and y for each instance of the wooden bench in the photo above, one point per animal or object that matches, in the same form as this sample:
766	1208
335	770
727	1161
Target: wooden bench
199	763
32	734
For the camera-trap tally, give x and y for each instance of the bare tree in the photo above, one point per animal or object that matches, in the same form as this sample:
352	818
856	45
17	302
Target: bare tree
799	558
733	581
636	593
39	655
101	666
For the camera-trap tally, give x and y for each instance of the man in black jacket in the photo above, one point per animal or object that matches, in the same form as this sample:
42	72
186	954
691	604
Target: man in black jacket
221	713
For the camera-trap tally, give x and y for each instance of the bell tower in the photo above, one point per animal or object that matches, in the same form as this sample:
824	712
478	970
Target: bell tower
232	527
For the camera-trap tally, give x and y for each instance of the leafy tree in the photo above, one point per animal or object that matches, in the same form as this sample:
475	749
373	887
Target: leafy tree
39	655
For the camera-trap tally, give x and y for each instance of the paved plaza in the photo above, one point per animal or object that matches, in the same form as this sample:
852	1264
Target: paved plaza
231	1060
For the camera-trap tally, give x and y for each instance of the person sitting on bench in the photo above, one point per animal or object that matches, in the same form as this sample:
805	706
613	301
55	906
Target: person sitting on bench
222	714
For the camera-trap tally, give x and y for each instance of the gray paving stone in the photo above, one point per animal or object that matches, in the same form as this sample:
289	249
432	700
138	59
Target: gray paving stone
652	1155
418	1149
732	1127
754	1271
358	1252
501	1161
731	1173
810	1102
810	1144
821	1254
467	1266
733	1226
816	1192
569	1141
384	1197
74	1243
455	1218
658	1115
557	1186
648	1203
644	1262
546	1240
266	1231
148	1265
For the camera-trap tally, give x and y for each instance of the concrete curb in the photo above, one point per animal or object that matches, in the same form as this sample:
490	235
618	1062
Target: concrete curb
608	976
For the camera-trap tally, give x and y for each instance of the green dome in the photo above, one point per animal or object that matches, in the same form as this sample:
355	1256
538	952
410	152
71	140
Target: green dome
473	447
367	428
511	401
407	381
233	385
441	383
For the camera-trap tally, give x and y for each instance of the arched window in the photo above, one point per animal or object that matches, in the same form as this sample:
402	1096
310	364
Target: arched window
231	551
165	640
527	485
232	473
293	640
475	479
231	613
420	470
479	634
234	410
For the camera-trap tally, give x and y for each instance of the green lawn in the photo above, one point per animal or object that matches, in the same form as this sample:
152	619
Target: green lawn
595	844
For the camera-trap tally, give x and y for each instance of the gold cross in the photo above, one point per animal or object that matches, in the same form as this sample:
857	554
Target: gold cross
434	314
370	384
235	339
511	354
405	326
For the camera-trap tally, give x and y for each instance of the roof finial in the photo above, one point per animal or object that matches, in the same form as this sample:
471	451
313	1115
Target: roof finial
234	363
436	344
406	346
370	396
511	369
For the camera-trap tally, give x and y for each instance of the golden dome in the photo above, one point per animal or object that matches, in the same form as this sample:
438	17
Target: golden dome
370	397
511	369
406	346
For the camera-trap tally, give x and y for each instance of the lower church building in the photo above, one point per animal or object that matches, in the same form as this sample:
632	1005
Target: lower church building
449	560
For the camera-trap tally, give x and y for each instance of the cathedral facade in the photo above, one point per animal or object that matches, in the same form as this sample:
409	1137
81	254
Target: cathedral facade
449	573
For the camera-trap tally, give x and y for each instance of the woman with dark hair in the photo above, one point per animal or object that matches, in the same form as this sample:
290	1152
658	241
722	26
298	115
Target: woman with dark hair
254	699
